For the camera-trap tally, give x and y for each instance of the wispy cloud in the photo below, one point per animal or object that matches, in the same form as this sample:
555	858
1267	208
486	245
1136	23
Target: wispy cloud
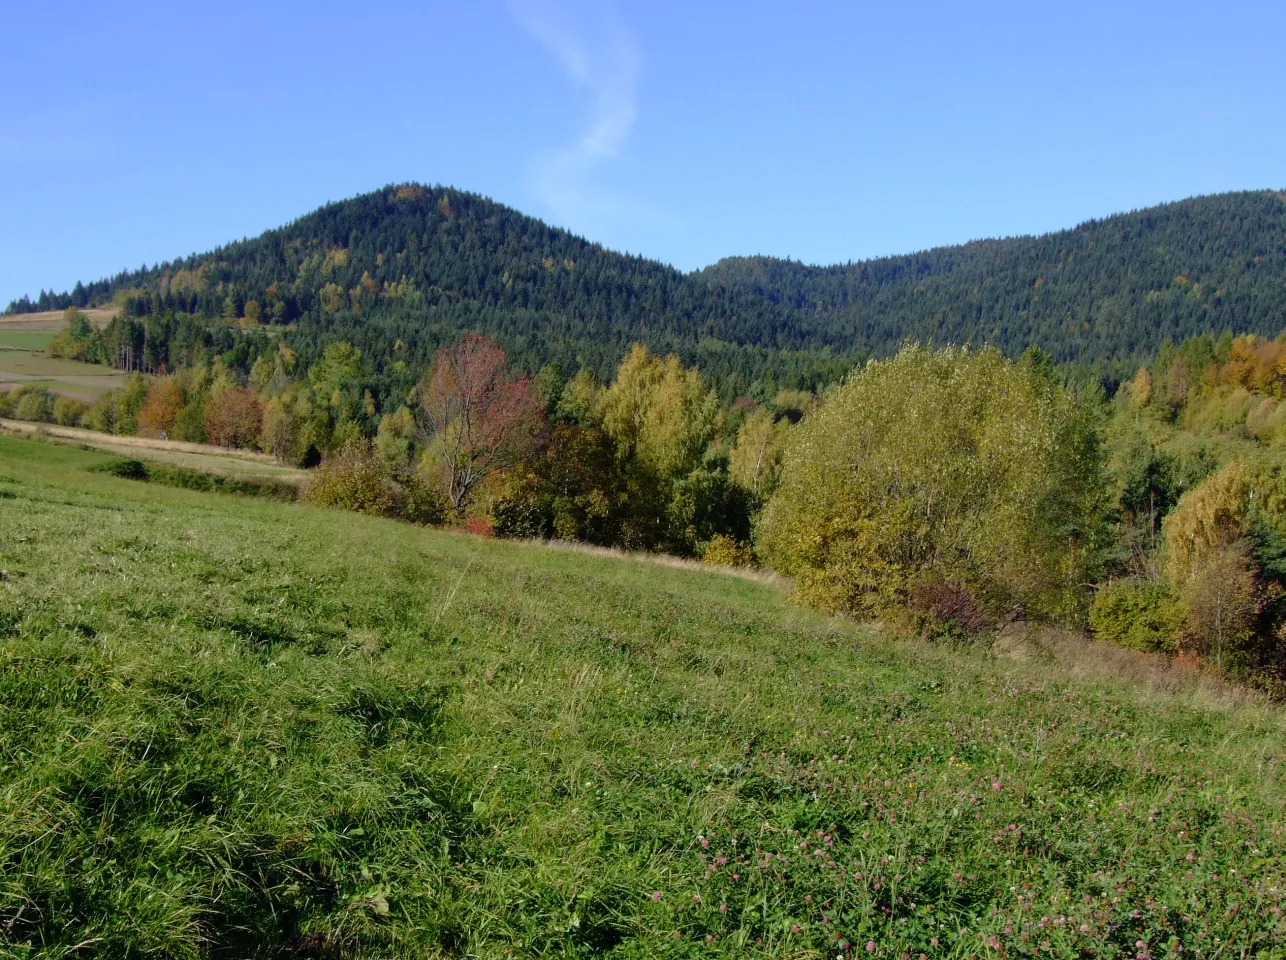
598	54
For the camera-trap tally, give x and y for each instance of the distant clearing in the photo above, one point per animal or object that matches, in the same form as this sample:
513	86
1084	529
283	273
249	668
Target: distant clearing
51	321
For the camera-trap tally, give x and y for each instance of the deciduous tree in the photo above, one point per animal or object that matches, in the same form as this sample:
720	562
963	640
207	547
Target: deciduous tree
476	417
233	417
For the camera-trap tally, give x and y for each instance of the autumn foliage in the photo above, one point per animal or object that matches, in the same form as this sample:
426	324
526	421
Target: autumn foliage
160	409
233	417
478	418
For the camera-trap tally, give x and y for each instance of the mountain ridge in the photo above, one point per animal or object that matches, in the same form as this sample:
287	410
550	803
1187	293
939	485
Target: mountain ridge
414	264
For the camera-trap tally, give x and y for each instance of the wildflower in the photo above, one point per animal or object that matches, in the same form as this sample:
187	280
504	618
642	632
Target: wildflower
870	946
656	896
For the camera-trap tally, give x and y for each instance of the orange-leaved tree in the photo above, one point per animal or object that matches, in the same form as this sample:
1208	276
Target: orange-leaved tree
160	409
477	418
233	417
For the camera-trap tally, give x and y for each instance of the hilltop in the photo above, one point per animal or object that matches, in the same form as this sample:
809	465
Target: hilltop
407	268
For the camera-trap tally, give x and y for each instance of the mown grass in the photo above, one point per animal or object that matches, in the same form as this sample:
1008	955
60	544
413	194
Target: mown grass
237	728
245	466
19	339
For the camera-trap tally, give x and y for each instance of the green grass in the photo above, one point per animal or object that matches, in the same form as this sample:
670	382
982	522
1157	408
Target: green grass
25	339
237	728
39	365
176	459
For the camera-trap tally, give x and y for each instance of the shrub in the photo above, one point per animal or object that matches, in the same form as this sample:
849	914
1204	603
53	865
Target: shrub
1223	600
126	469
351	478
947	611
479	526
1208	518
6	404
1138	615
33	403
102	415
68	411
129	400
954	466
722	550
423	503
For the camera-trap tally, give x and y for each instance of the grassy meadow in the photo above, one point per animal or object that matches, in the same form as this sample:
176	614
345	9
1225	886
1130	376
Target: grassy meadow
232	728
248	465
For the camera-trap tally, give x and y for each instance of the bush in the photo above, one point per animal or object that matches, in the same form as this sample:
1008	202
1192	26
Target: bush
352	478
102	415
954	466
68	412
947	611
6	404
479	526
172	476
423	503
33	403
722	550
126	469
1138	615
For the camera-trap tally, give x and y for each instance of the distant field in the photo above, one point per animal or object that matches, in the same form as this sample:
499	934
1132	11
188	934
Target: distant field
237	464
23	339
51	321
39	365
231	727
15	339
84	381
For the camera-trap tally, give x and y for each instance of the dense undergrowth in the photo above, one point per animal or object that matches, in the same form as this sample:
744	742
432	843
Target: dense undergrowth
240	728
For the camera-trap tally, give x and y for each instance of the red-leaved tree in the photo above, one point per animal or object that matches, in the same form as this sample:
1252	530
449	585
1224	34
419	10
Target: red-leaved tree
477	418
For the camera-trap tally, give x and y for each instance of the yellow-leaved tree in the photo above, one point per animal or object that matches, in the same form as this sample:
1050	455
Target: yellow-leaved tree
953	478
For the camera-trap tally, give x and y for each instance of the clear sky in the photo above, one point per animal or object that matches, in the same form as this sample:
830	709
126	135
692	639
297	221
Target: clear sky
686	131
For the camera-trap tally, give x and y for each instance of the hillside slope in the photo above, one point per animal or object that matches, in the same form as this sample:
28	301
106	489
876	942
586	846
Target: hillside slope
1109	289
248	729
406	269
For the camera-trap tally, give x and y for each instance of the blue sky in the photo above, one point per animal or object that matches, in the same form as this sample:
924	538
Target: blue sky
132	133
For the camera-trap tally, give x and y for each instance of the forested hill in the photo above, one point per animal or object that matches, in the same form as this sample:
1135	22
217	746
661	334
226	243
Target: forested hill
1110	289
403	270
